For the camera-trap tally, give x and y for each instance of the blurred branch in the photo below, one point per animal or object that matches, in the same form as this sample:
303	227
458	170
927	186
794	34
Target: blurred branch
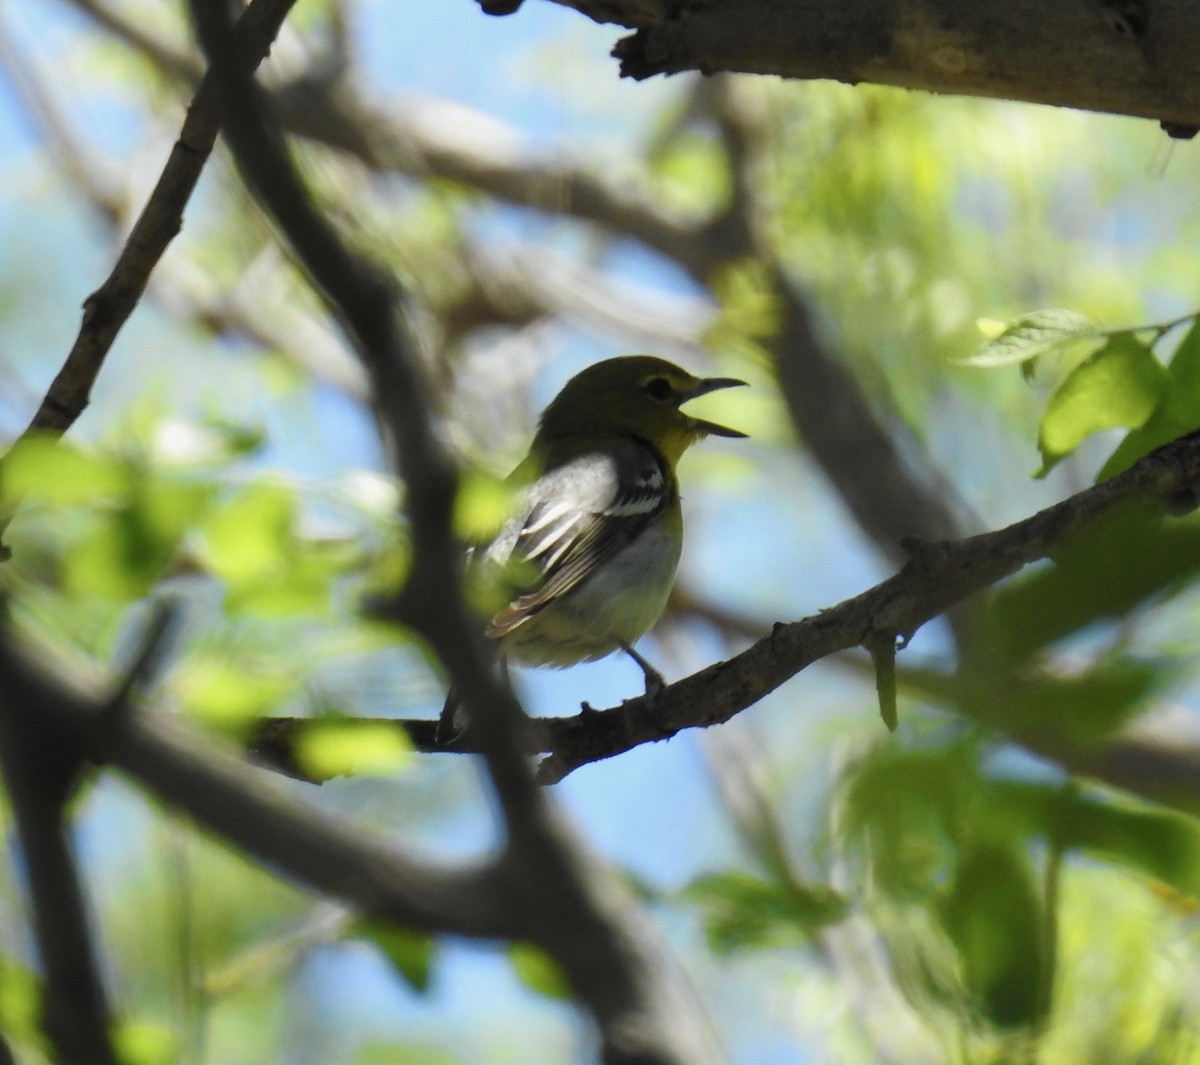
168	56
569	904
40	768
222	794
251	310
867	462
1129	58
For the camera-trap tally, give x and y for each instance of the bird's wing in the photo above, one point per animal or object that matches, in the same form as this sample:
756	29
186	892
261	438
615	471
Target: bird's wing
579	516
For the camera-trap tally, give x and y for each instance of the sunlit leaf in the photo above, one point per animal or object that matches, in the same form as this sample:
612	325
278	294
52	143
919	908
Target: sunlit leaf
20	1001
131	546
538	971
749	307
252	544
56	471
1033	335
692	173
249	533
483	504
331	748
1178	414
145	1042
226	694
1118	386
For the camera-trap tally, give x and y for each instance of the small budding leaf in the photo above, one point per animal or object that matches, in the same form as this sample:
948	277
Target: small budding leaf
1033	335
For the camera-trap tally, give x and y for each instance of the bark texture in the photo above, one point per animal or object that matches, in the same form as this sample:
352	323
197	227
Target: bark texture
1130	57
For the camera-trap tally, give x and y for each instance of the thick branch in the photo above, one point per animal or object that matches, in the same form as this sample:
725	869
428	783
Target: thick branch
231	799
38	769
1133	57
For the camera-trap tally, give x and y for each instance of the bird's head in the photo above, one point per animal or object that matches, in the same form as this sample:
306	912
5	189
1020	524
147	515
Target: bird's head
638	395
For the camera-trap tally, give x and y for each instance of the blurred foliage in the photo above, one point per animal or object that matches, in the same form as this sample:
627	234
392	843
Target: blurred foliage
936	896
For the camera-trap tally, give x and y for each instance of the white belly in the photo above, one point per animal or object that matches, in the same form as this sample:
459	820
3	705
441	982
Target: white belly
614	606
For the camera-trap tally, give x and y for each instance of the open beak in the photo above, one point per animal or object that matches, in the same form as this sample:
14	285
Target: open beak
703	387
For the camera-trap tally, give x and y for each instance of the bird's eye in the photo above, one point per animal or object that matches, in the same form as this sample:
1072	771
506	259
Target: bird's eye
659	388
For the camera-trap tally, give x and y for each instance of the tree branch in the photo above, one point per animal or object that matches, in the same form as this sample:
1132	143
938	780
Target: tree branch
40	767
938	576
1135	57
572	907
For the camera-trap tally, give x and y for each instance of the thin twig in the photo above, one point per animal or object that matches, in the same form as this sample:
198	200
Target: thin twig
106	310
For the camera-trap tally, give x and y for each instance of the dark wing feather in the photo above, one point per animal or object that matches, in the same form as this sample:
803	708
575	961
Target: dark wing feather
582	514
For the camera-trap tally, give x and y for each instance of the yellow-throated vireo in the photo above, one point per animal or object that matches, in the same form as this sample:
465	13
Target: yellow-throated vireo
596	535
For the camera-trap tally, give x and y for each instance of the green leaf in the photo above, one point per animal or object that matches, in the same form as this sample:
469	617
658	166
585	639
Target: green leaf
749	307
1159	843
52	470
131	546
745	911
20	1002
144	1042
251	543
1177	414
249	533
538	971
332	748
1118	386
483	504
410	953
226	694
993	916
1139	555
1033	335
1082	709
904	808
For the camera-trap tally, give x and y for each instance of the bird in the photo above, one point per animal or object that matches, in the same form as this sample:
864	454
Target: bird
588	556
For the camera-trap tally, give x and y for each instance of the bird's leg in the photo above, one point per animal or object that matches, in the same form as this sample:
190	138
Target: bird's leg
654	680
